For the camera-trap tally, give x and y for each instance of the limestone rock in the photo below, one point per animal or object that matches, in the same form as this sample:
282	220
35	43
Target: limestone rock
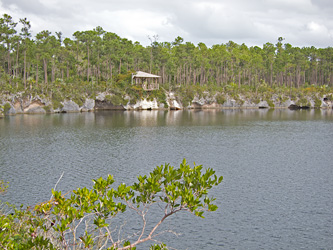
173	104
203	102
18	108
36	110
88	105
33	106
161	106
101	96
11	111
288	103
105	105
210	105
199	101
230	103
70	107
145	104
326	103
196	105
263	104
248	104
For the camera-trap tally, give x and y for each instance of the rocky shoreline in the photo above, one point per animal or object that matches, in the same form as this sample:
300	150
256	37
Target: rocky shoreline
17	104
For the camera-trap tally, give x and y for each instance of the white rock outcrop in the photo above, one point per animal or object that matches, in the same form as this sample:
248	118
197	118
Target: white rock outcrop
69	107
145	104
89	105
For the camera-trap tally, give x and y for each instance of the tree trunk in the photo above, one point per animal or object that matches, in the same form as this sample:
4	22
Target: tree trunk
250	77
67	68
271	74
194	76
53	72
239	79
163	74
25	70
88	64
98	68
45	71
111	67
17	64
217	75
298	77
9	67
37	78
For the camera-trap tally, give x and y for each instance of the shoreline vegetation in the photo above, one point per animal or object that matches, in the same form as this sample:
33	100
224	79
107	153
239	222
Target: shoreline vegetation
92	70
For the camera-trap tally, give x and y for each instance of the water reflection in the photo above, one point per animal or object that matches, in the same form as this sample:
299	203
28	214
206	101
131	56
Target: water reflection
213	117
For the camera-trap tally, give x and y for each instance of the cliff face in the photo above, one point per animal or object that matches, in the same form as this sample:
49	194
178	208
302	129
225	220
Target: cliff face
18	104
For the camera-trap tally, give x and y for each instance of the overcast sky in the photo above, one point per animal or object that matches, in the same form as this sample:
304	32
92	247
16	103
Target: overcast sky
253	22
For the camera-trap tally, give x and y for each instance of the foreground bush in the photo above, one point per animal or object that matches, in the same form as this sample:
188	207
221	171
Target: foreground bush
87	218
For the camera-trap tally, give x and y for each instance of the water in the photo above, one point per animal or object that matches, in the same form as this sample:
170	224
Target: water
277	191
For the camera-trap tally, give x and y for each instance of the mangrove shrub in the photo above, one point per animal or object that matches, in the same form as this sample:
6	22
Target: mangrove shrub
88	218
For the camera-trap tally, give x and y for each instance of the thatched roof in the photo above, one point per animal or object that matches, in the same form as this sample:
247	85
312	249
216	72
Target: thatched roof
140	74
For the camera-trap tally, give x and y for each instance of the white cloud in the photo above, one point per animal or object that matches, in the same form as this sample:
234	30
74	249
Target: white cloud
132	24
210	21
315	27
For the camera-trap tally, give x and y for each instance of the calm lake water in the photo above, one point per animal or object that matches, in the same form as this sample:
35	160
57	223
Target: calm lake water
277	191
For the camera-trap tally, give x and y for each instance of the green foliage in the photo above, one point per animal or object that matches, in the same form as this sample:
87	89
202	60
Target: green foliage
124	79
237	98
22	229
220	98
160	96
118	100
282	98
3	186
317	102
78	100
270	103
186	95
293	95
158	247
56	100
303	102
47	108
256	100
117	97
199	90
135	93
108	98
6	108
85	217
185	188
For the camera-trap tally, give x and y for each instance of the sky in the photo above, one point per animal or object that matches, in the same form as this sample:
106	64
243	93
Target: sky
302	23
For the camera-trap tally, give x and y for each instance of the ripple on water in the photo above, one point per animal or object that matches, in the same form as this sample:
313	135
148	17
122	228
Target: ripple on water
277	191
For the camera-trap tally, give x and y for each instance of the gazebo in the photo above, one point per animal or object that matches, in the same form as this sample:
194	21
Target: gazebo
148	81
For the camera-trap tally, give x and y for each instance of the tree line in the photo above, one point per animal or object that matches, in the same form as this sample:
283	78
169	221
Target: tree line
99	57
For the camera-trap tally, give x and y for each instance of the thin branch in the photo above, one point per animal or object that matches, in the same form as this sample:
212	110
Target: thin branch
144	225
57	183
120	228
109	234
150	236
